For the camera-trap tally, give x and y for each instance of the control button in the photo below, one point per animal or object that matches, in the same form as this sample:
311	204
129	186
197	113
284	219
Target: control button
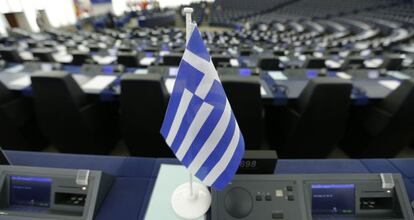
277	215
268	197
238	202
279	193
258	197
289	188
291	198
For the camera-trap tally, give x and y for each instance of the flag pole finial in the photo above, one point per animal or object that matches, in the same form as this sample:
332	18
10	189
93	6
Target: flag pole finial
187	11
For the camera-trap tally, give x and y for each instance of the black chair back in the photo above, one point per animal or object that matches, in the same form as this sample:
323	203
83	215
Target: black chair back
72	123
383	129
269	63
10	54
18	127
80	58
144	100
172	59
245	98
44	54
221	60
5	93
128	59
316	123
315	63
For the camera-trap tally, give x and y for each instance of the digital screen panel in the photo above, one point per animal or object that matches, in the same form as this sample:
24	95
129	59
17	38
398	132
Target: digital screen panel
107	69
30	191
333	199
312	73
245	72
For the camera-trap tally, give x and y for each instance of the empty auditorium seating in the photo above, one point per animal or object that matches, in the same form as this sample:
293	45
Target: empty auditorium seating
383	129
18	127
280	62
315	63
226	12
321	9
172	59
69	119
144	100
10	54
80	58
269	63
128	59
244	97
313	125
221	60
44	54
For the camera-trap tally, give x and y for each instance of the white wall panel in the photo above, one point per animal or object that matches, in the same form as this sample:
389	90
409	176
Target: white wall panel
119	6
15	5
4	6
176	3
30	14
3	25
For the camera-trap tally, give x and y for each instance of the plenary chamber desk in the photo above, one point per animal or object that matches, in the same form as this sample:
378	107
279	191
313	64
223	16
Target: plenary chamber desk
135	177
275	86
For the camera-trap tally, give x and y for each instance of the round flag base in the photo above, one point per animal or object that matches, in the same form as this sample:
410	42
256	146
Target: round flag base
191	207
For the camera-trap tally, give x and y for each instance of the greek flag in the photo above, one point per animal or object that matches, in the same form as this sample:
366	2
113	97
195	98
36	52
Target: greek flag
199	125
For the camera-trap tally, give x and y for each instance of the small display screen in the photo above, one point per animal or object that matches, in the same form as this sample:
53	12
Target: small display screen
107	69
245	72
30	191
312	73
333	199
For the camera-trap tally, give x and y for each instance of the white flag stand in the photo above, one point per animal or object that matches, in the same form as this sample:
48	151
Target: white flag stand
190	200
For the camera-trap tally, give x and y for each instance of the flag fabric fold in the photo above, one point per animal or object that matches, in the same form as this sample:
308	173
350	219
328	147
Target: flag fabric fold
199	124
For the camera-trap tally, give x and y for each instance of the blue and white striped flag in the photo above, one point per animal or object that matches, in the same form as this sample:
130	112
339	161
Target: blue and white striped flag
199	125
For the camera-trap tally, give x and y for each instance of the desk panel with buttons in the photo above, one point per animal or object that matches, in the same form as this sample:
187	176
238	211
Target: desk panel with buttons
306	197
48	193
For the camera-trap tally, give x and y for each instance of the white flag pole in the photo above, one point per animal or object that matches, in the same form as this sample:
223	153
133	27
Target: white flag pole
188	30
190	200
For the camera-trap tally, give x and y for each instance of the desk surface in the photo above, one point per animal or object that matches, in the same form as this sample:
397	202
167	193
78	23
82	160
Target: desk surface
135	177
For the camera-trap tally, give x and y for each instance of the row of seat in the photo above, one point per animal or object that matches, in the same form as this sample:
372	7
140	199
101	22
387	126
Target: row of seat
224	12
77	123
322	118
134	59
287	37
233	13
403	13
335	40
61	114
109	20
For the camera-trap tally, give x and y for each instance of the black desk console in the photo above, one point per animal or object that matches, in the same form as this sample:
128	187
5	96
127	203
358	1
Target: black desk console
46	193
306	197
